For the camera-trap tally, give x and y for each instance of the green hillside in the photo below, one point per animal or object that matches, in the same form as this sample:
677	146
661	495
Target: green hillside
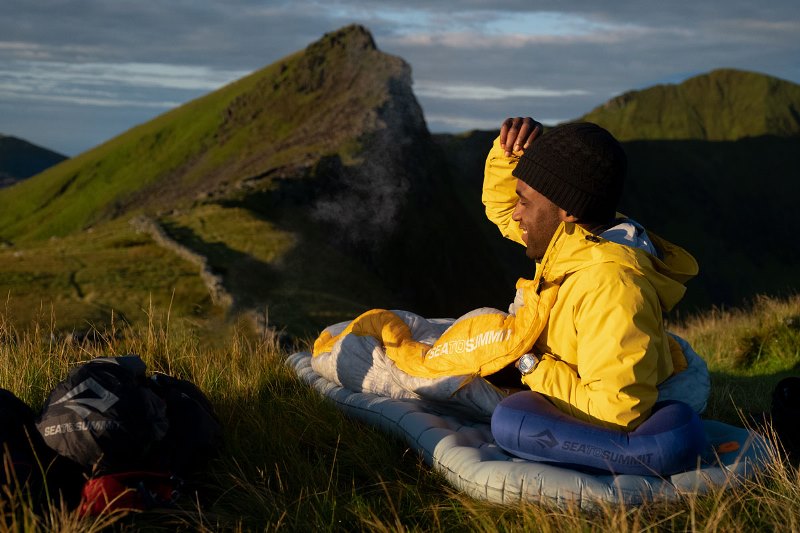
303	194
282	115
189	170
723	105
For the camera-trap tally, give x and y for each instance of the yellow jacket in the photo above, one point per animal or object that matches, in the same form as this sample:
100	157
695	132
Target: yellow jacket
604	348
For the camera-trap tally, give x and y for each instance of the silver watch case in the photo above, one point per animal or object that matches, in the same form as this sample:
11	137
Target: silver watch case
527	363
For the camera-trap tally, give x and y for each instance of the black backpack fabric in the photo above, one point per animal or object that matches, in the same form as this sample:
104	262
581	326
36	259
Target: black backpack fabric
104	416
108	417
784	412
194	436
20	443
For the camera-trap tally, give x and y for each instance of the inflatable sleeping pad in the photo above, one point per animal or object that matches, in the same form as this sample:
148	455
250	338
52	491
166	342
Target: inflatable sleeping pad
671	440
464	450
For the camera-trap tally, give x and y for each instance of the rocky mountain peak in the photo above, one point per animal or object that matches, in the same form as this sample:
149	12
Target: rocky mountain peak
353	37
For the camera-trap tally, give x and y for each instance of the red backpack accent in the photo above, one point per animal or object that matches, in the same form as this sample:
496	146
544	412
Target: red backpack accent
128	491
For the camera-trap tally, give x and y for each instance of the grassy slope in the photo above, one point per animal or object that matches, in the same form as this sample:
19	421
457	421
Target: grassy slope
84	190
224	147
722	105
292	461
274	117
85	278
748	351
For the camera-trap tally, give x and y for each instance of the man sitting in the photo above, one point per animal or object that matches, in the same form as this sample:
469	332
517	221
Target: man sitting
603	352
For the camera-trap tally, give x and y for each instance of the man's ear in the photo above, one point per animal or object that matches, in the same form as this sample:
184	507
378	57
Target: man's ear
566	217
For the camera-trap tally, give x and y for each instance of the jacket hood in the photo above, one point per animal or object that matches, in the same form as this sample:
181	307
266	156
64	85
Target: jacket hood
573	248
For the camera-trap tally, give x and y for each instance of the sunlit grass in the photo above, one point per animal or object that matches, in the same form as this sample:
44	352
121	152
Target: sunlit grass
293	461
115	269
748	352
90	275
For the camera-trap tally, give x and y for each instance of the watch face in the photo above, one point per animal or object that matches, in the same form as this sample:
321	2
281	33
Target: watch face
527	363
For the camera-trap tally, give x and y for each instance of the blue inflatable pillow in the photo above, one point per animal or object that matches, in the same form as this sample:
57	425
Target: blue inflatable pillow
671	440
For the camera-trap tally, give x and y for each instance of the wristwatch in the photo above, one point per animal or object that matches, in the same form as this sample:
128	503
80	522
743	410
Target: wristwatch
527	363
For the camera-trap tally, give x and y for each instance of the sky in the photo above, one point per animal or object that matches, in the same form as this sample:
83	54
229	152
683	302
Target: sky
75	73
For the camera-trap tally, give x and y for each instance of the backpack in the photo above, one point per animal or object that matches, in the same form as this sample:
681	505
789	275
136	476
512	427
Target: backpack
104	416
108	416
194	436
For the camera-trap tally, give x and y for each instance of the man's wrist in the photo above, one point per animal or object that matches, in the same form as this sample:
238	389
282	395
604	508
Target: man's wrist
527	364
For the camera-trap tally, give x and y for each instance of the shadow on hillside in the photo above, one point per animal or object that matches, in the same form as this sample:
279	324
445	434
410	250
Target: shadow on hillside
725	202
433	260
728	203
245	278
317	282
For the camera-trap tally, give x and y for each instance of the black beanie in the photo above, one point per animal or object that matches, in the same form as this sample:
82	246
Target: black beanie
580	167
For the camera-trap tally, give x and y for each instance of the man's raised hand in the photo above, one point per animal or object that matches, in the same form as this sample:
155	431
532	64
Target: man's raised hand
517	134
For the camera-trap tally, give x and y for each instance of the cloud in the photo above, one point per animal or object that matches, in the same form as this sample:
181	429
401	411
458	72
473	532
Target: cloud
109	84
441	123
471	41
236	34
94	101
429	89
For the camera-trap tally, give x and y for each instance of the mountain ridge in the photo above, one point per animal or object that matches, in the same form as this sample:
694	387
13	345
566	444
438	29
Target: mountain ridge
230	134
306	177
721	105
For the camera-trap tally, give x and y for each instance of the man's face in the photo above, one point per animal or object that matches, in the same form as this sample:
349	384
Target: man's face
538	218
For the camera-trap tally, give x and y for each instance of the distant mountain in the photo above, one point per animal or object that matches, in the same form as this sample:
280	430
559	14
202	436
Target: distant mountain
20	159
723	105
